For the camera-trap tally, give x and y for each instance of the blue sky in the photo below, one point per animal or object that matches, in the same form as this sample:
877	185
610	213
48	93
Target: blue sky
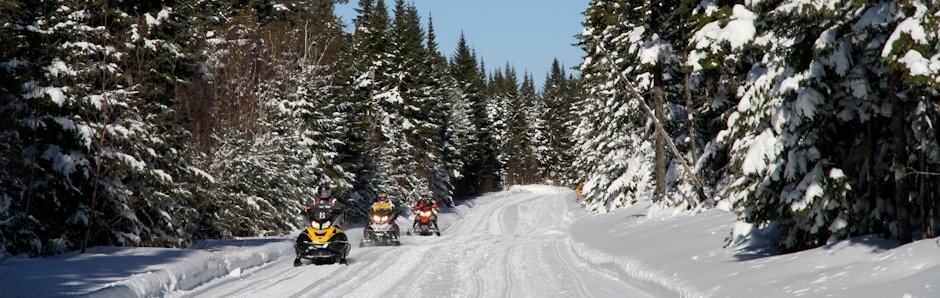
527	34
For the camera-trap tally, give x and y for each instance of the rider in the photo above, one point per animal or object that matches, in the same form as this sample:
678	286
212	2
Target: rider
382	202
325	198
424	202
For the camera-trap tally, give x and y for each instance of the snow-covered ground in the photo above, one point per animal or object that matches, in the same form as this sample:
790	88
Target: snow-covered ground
531	241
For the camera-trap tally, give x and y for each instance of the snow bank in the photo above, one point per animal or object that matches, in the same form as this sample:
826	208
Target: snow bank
685	255
136	272
198	266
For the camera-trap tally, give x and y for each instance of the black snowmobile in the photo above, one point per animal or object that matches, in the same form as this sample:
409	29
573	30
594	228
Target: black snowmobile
382	229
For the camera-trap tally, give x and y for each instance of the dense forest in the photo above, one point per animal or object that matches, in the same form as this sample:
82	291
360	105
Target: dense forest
812	120
160	123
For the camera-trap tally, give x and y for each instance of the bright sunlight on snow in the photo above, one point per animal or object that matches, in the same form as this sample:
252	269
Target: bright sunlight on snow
531	241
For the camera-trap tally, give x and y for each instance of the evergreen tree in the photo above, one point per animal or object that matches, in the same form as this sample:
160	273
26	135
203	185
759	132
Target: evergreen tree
443	113
558	100
480	171
828	79
267	170
92	126
613	156
369	60
529	149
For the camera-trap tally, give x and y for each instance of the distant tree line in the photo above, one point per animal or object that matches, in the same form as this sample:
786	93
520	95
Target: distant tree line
159	123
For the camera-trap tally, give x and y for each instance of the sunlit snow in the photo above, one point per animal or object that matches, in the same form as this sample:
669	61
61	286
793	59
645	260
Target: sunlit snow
531	241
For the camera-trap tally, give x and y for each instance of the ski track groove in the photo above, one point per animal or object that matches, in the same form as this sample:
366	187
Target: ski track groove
346	279
318	283
482	222
231	280
476	276
582	287
415	271
507	288
327	280
267	283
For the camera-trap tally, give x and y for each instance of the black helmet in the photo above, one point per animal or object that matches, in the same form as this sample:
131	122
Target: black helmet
323	192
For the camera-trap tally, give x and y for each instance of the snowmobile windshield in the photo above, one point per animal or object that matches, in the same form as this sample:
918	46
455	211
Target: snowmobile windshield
320	214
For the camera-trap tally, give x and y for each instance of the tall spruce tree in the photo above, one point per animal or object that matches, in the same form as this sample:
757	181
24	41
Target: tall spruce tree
480	171
613	155
558	99
449	139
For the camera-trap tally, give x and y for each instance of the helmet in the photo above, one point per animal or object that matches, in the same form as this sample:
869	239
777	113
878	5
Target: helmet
382	196
324	192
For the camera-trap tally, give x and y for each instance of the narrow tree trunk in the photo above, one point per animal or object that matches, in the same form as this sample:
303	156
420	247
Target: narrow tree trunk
658	103
690	121
875	225
902	190
922	191
930	194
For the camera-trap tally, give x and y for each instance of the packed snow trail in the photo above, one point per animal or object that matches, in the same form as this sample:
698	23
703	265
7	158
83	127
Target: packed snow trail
513	243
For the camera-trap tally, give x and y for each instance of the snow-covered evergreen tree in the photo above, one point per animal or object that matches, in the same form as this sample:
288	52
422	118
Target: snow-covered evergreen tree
95	136
558	99
281	136
443	114
613	155
480	172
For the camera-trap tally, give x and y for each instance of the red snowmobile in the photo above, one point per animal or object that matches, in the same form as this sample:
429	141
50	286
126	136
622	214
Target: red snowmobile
425	219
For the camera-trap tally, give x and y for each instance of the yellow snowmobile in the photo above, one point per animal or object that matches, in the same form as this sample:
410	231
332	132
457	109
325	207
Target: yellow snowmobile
322	242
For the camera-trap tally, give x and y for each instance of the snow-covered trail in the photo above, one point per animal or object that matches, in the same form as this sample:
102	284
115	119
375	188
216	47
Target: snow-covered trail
513	245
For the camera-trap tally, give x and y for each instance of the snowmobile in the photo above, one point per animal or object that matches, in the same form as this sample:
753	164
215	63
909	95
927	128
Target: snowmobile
427	222
382	229
322	242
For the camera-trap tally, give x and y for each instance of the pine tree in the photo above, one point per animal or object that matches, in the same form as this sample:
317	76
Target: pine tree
480	171
817	176
530	147
558	99
443	114
613	156
94	134
369	60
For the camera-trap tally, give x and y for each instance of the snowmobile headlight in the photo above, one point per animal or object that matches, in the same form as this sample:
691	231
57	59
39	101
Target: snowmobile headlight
384	219
315	225
425	213
326	224
376	218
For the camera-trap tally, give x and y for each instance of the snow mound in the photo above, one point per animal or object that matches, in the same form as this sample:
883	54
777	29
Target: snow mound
540	189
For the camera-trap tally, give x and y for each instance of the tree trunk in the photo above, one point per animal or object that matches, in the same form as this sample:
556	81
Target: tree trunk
921	183
902	190
874	225
659	136
929	196
690	121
